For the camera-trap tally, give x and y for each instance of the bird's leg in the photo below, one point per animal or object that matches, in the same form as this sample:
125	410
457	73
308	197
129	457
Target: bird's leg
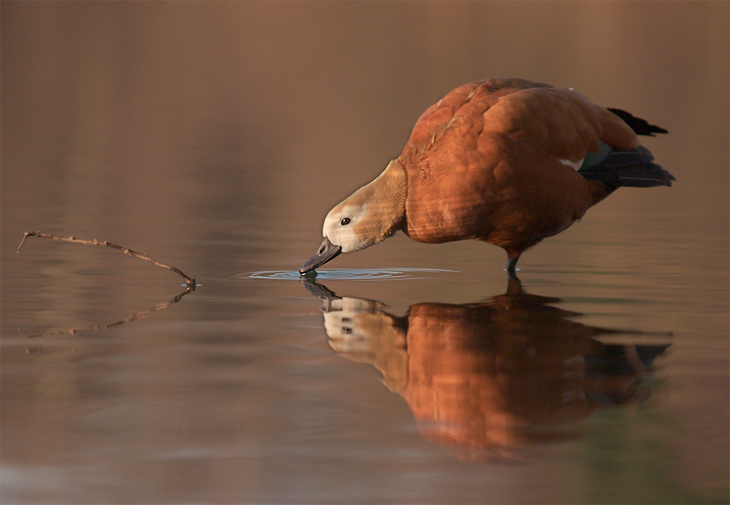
512	263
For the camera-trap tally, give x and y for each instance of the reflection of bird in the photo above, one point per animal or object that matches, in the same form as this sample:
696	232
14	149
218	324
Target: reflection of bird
509	162
484	379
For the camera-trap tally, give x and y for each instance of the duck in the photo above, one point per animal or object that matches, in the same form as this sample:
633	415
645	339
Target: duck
508	162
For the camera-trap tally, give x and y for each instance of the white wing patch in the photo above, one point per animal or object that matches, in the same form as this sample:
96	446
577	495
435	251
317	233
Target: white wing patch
575	165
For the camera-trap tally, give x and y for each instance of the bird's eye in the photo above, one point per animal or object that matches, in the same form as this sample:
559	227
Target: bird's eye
345	221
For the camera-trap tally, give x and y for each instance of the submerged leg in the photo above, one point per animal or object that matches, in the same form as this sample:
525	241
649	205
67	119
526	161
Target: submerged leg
514	285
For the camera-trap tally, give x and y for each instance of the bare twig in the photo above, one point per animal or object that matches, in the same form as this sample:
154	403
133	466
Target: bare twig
189	281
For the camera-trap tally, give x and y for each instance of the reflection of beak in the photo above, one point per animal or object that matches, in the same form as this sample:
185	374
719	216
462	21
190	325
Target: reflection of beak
325	252
327	296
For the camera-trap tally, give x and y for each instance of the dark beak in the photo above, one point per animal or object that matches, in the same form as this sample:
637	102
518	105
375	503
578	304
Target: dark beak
325	252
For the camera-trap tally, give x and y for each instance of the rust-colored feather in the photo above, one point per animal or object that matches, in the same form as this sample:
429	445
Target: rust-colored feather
485	163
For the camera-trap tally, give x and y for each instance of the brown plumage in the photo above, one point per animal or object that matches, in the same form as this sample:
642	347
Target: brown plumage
505	161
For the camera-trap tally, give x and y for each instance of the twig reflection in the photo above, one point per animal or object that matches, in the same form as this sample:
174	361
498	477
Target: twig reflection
487	379
142	314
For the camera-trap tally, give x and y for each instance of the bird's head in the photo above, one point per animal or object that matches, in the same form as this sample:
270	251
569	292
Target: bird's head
368	216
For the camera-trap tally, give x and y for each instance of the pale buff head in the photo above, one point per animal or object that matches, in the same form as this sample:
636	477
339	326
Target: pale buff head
348	225
368	216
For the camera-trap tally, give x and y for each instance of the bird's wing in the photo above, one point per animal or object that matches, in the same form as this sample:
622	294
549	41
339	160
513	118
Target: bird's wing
560	122
487	161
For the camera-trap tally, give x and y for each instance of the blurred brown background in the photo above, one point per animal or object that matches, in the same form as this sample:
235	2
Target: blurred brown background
117	111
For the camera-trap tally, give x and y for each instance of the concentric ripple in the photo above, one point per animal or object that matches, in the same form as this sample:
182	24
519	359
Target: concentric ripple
362	274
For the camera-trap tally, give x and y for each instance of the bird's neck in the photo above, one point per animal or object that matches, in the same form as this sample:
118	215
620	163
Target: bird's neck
388	199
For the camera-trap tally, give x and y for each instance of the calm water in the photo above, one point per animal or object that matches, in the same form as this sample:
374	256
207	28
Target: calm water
215	137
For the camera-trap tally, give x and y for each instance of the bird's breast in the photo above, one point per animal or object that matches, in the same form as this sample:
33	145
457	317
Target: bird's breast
444	206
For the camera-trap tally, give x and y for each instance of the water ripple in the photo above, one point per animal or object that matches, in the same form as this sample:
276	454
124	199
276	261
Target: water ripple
361	274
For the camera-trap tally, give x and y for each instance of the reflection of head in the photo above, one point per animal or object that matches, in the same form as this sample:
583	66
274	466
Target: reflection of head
485	379
360	330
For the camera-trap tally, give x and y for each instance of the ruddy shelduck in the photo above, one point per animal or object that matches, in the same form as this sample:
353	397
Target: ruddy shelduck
506	161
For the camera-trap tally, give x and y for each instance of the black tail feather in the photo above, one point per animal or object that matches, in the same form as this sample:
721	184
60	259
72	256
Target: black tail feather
640	126
632	168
